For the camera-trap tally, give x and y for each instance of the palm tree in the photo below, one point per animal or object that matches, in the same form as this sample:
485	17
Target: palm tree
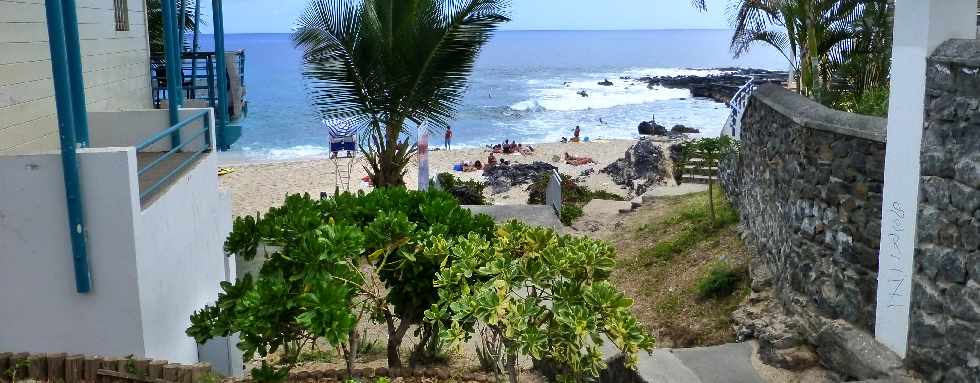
154	22
818	38
381	66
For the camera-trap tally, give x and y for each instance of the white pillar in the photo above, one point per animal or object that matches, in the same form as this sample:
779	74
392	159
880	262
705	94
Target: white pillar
920	26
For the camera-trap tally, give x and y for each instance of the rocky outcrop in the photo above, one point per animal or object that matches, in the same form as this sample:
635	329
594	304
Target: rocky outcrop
502	177
651	128
681	129
606	82
721	87
643	166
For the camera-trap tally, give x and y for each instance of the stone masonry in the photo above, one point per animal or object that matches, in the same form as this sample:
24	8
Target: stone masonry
807	182
944	338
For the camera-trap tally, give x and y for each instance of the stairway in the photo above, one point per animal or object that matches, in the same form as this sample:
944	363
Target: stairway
696	171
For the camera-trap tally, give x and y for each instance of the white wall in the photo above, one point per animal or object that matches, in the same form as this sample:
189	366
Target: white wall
115	65
180	259
40	311
132	127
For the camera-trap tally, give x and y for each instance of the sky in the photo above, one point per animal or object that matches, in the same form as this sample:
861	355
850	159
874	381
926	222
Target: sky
279	16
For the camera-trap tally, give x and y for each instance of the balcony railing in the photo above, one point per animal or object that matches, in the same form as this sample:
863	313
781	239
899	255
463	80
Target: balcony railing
199	70
162	167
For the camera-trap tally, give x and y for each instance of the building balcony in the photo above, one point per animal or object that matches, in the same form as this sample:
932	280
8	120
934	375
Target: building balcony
199	87
155	223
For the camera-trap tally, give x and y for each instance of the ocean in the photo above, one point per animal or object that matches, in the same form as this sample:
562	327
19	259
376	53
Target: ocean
524	87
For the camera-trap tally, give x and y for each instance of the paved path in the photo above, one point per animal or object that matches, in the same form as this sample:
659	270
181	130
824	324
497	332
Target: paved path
727	363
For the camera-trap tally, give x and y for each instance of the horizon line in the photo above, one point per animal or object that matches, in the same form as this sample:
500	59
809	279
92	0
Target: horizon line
544	30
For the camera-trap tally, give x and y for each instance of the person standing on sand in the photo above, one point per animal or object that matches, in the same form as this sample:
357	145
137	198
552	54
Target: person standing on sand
449	138
578	131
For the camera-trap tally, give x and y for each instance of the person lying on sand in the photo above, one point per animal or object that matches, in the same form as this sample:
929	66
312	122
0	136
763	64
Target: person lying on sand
491	160
468	167
525	150
578	160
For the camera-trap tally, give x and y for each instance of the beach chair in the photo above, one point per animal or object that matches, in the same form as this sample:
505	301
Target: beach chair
343	153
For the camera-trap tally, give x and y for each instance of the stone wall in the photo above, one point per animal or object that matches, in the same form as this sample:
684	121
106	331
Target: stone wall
944	338
807	182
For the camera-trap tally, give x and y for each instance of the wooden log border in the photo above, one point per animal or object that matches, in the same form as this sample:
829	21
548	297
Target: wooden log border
63	368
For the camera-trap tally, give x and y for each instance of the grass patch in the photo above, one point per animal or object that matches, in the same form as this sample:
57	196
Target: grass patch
721	281
315	356
569	213
671	256
688	225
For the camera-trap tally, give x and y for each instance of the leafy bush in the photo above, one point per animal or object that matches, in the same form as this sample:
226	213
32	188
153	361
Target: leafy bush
569	213
573	196
721	281
545	296
571	192
873	102
312	284
466	192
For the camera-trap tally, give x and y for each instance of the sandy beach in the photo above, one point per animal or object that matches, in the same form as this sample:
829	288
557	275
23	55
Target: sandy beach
256	187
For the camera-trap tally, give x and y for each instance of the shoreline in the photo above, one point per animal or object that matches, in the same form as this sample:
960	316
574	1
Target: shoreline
255	187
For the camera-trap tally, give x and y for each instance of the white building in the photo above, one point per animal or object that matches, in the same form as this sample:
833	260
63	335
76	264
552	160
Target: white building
147	217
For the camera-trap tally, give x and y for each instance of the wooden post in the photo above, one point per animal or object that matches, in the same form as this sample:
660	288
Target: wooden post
200	371
185	374
108	364
141	367
92	364
73	368
18	361
156	369
38	368
170	372
4	365
56	367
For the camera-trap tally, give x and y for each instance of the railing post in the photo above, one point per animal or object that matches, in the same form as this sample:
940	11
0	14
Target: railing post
221	71
80	117
63	103
174	80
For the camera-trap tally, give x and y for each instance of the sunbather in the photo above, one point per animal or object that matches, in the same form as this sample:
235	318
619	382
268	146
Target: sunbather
578	160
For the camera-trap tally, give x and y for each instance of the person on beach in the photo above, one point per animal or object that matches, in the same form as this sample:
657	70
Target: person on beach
491	160
578	132
449	138
578	160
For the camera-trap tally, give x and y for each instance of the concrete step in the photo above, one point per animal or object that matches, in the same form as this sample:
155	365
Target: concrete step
727	363
538	215
697	178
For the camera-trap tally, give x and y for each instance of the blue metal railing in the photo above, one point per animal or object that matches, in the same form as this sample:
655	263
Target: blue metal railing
199	77
207	147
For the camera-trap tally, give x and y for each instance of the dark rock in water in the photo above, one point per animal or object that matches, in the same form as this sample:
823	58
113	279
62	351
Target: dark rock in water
502	177
681	129
606	82
651	128
643	166
721	87
583	93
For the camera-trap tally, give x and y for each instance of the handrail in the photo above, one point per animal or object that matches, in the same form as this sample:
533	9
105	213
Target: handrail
208	146
159	136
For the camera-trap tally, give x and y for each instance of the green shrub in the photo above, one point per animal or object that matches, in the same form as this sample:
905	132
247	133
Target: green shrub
873	102
466	192
571	192
545	296
569	213
721	281
312	284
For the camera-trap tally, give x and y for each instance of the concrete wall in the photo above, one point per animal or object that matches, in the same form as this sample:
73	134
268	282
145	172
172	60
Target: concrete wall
115	65
945	321
40	310
180	260
133	127
152	267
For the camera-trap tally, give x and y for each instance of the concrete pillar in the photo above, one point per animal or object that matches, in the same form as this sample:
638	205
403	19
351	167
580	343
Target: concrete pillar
920	26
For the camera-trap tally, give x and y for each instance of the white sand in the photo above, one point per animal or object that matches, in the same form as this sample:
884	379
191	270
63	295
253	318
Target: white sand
257	187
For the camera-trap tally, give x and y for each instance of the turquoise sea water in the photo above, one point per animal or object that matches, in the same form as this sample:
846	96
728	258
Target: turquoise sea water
524	88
